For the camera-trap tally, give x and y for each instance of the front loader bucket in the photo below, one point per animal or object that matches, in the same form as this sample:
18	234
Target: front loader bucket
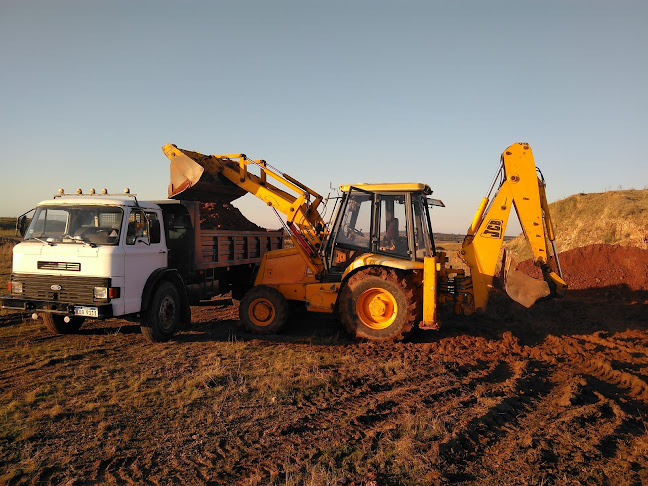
190	180
520	287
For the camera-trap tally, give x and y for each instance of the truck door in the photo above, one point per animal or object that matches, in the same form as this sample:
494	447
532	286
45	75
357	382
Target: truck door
145	252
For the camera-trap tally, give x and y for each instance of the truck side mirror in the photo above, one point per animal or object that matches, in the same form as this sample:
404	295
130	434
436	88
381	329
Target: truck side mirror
155	230
21	225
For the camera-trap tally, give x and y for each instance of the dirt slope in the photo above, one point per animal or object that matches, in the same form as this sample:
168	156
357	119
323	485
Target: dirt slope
613	217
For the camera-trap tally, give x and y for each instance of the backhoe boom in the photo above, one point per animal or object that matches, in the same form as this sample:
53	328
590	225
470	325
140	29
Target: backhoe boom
522	189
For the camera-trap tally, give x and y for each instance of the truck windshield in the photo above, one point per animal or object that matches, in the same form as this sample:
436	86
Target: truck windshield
93	225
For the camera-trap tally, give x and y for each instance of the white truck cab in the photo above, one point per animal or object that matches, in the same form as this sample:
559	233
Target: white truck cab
95	257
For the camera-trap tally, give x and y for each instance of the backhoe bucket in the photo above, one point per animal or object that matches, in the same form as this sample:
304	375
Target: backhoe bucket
190	180
520	287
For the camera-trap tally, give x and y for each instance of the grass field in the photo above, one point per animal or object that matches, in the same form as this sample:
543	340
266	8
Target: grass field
7	241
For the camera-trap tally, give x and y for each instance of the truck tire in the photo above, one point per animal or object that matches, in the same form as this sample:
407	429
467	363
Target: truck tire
162	318
377	305
56	323
263	310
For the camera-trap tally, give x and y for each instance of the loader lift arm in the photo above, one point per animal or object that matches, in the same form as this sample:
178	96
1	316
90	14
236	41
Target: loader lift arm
520	187
226	177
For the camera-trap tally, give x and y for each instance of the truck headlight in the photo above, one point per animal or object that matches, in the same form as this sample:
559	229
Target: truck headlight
16	287
101	293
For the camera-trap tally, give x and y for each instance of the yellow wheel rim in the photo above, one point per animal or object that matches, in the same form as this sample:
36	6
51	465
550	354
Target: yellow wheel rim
261	312
377	308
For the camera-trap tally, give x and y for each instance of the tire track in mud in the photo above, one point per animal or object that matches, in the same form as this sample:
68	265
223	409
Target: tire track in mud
372	409
594	406
363	413
623	392
565	373
375	408
574	426
573	352
516	398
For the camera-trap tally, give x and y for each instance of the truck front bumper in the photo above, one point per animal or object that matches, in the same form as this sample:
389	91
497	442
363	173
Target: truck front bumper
64	308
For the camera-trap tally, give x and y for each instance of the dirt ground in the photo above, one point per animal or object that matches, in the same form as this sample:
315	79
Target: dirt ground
553	394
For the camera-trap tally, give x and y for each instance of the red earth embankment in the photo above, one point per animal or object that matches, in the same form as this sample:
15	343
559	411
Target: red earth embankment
621	270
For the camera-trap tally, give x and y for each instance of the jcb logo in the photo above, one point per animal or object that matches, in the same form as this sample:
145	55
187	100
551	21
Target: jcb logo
493	229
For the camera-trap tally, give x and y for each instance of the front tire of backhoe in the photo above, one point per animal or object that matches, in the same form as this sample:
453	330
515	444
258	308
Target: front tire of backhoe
162	318
263	310
56	324
378	305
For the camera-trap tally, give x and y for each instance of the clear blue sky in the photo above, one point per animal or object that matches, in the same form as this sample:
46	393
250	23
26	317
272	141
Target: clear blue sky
328	91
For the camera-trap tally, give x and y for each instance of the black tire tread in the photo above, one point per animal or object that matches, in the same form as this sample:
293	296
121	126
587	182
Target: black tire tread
55	323
149	326
278	301
409	290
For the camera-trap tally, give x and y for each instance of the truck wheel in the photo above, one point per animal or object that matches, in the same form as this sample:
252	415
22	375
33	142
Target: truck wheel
56	323
377	305
263	310
162	318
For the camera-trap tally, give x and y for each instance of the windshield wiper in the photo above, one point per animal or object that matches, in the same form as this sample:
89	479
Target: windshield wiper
42	241
80	240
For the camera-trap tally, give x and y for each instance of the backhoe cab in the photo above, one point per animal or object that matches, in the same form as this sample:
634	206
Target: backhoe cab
376	265
379	241
388	221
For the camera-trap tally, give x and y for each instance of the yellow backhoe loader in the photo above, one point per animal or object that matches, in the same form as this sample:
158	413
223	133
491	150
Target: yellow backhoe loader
376	265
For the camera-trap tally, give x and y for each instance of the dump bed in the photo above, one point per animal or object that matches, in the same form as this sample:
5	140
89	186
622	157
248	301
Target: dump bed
192	248
220	248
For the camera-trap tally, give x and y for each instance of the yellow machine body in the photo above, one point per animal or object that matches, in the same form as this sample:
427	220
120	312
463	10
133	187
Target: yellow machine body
305	272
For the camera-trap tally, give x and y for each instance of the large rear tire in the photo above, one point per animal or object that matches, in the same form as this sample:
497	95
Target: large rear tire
56	323
263	310
378	305
162	319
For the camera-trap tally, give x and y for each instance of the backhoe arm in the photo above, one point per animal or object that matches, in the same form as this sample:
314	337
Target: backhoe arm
520	187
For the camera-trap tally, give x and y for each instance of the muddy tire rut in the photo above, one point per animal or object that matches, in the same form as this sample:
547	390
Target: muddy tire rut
555	394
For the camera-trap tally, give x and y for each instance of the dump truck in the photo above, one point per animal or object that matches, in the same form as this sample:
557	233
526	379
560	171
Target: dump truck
375	264
110	255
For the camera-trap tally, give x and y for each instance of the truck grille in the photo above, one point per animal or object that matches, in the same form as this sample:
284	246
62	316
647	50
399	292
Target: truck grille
73	290
74	267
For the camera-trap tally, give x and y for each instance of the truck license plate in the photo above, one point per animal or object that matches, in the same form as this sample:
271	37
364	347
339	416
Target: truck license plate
86	311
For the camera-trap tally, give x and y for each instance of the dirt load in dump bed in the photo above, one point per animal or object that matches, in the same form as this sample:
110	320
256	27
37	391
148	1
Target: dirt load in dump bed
224	216
619	271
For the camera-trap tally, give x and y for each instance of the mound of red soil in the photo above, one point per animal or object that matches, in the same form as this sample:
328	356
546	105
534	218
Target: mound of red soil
598	266
224	216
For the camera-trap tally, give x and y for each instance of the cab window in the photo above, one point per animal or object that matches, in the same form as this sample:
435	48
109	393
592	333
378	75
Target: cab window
393	225
152	223
137	227
355	228
423	241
